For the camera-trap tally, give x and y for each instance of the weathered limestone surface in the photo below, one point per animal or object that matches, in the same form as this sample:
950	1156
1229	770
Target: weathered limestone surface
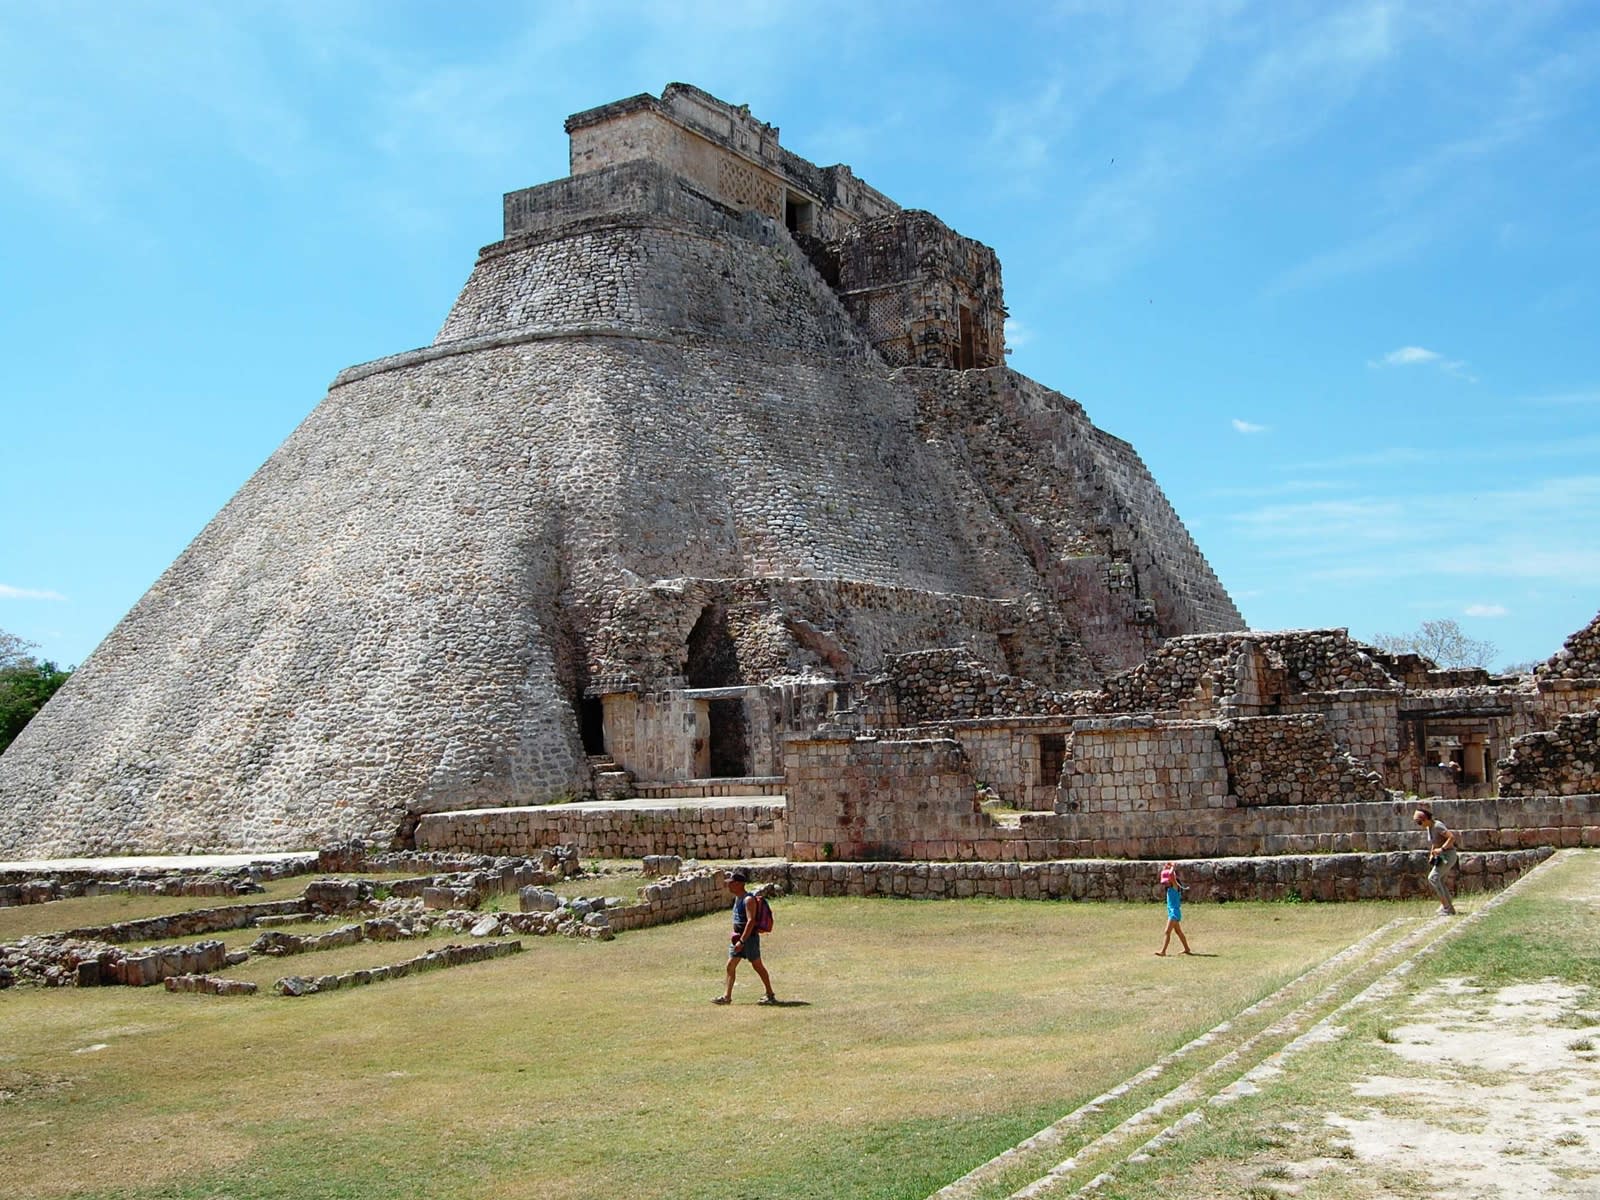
733	831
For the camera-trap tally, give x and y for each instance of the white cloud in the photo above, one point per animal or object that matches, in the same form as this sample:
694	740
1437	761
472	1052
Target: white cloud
1248	426
1406	356
1416	356
1018	335
1486	610
7	592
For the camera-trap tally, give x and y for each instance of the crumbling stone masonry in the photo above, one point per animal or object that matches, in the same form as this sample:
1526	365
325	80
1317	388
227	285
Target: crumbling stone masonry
1564	761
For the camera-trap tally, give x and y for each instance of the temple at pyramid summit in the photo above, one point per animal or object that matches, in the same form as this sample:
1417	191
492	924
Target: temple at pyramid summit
714	474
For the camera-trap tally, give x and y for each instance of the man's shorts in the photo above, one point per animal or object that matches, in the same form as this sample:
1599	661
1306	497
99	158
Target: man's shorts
751	952
1174	904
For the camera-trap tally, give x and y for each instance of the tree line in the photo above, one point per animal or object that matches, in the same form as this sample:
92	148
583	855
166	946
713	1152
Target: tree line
26	682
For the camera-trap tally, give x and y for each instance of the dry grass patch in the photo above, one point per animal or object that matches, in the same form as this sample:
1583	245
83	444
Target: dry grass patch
932	1036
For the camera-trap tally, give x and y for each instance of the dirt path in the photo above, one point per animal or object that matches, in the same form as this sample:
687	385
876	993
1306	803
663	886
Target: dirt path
1493	1093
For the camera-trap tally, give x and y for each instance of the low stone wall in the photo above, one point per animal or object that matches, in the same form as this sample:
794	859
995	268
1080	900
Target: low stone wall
56	960
700	789
449	956
725	831
187	924
675	899
1308	877
30	885
1487	824
210	985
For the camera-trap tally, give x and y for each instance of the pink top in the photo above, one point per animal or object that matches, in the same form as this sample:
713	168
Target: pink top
1169	875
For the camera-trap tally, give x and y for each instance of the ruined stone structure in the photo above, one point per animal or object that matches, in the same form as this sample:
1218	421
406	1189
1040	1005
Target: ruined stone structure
710	436
1216	744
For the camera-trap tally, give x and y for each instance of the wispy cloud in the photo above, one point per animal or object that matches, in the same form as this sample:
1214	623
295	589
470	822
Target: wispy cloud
1248	426
1406	356
1564	399
1418	356
1486	610
1500	453
1288	487
1484	534
7	592
1018	334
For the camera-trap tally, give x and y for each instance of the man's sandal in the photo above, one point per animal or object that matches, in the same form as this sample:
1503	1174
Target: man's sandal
722	999
769	998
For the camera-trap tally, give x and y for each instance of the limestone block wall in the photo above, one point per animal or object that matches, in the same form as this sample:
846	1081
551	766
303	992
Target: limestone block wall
1140	765
1487	824
1395	876
652	274
754	831
1550	700
1292	760
1564	761
734	831
863	798
1363	721
1019	759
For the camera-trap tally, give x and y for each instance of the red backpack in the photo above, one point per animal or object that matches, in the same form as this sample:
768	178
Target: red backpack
763	917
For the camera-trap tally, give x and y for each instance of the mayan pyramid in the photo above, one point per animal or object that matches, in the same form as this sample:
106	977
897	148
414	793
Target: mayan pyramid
710	433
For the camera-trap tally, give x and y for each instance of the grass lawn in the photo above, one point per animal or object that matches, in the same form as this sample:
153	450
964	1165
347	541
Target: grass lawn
931	1036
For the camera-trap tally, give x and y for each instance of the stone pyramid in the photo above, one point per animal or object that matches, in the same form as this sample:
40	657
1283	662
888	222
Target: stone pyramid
711	433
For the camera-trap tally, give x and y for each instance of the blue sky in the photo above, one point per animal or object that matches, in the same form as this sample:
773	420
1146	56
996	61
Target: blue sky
1332	268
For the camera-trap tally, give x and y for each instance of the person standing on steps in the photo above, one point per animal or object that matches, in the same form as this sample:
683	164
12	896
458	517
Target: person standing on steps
746	941
1174	890
1441	857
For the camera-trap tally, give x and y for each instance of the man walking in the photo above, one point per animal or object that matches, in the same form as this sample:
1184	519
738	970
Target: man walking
1441	857
746	941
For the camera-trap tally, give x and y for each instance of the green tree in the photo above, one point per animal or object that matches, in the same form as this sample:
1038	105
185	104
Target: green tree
1443	641
26	683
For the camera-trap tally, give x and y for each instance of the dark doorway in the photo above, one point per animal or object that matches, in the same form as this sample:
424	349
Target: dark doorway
967	349
798	213
713	659
1052	756
730	739
592	725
